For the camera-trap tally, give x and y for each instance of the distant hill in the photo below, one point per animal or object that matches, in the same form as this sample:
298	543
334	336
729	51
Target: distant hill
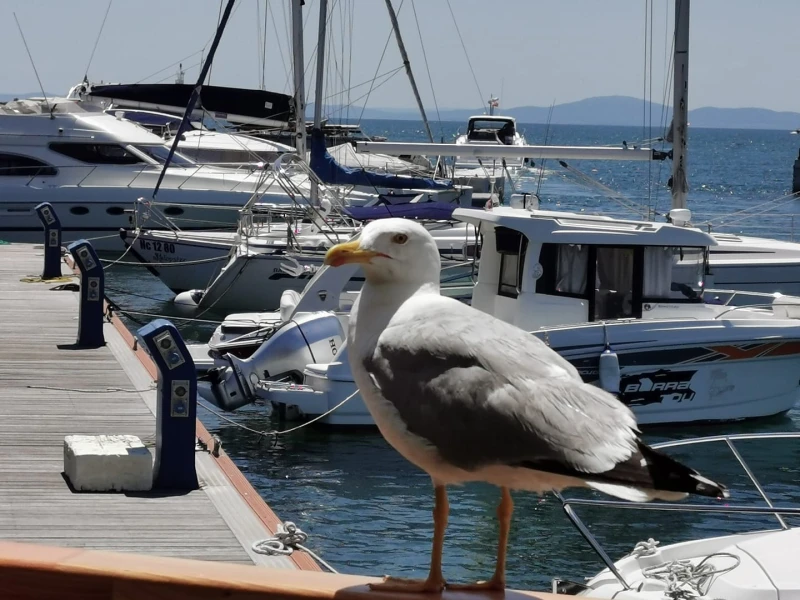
600	110
610	110
8	97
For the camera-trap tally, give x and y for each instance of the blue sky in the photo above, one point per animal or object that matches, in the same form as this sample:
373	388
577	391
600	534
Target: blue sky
530	52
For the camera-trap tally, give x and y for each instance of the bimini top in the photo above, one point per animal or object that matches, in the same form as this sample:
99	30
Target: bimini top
542	226
491	128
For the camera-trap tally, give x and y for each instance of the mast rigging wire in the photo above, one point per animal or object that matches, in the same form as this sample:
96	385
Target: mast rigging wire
99	33
461	39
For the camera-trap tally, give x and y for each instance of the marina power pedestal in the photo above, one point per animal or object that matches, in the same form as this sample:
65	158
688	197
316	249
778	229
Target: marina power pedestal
174	467
52	240
90	315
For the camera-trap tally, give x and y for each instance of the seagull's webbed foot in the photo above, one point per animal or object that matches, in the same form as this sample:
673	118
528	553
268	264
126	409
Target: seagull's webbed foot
430	585
495	584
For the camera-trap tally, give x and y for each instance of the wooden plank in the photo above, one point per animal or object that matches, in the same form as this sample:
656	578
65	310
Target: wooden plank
51	390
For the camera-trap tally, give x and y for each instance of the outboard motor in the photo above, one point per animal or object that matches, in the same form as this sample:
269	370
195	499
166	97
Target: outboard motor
314	337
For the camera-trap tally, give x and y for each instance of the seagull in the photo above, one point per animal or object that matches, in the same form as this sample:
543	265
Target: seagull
467	397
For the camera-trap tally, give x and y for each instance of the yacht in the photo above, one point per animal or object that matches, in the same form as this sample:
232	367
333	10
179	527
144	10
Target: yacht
631	291
92	166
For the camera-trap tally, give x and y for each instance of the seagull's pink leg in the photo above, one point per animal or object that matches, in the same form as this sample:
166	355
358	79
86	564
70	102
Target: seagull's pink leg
498	581
435	581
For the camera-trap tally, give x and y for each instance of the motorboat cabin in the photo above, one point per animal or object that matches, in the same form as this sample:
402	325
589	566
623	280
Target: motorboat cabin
551	268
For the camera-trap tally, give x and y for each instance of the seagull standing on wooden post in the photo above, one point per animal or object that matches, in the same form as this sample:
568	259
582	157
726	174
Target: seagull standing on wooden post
467	397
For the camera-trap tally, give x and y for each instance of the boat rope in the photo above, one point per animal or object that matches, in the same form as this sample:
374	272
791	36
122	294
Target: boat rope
107	390
377	68
132	313
428	69
748	212
274	434
288	538
590	182
684	579
466	54
38	279
99	33
186	263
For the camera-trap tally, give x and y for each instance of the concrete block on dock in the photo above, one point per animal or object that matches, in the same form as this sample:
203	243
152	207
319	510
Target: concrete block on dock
106	463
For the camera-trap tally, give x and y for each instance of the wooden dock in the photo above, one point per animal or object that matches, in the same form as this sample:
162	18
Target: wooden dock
49	390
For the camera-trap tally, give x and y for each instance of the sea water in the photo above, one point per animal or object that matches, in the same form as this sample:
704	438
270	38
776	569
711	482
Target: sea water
368	511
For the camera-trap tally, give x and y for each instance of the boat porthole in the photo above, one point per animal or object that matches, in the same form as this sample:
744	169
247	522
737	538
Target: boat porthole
115	210
173	211
79	210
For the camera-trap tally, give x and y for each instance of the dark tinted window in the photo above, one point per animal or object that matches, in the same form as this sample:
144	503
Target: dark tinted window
511	245
101	154
14	165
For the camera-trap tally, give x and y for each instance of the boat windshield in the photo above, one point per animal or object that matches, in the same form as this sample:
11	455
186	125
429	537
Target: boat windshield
674	273
159	153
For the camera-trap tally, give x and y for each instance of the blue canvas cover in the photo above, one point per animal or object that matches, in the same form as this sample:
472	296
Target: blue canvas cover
329	171
433	211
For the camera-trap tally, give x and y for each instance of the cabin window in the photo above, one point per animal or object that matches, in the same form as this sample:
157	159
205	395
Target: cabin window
100	154
614	286
674	273
15	165
571	269
511	245
565	270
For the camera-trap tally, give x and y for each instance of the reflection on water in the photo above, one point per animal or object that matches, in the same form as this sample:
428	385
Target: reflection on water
368	511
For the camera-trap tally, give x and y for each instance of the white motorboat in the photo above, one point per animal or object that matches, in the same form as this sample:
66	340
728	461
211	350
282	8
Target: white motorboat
92	166
757	565
490	129
585	285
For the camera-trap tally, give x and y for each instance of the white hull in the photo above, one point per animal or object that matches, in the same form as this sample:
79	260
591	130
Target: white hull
717	377
755	264
163	248
100	216
255	282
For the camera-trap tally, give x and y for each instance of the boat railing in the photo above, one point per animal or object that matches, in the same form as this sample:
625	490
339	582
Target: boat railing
778	512
284	172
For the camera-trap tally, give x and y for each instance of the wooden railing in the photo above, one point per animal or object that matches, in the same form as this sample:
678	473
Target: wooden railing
29	571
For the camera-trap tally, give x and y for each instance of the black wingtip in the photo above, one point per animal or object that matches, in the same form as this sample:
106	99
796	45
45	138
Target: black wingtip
670	475
706	487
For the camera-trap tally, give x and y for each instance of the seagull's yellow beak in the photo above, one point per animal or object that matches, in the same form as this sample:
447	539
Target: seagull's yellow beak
342	254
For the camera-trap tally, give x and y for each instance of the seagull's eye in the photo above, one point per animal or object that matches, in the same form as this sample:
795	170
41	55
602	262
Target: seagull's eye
400	238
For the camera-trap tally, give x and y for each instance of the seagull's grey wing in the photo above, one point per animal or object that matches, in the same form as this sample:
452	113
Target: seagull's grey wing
484	392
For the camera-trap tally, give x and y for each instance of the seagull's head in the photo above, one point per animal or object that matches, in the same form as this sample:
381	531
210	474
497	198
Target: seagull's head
391	251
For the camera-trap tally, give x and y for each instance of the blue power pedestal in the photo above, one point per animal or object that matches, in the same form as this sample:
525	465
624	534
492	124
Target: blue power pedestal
90	316
52	240
174	467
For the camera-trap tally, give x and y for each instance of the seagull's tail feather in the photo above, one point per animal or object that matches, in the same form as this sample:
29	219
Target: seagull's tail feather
650	474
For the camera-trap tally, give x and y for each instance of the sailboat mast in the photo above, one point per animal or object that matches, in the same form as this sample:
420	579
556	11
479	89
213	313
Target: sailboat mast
320	82
407	65
680	105
318	99
299	78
